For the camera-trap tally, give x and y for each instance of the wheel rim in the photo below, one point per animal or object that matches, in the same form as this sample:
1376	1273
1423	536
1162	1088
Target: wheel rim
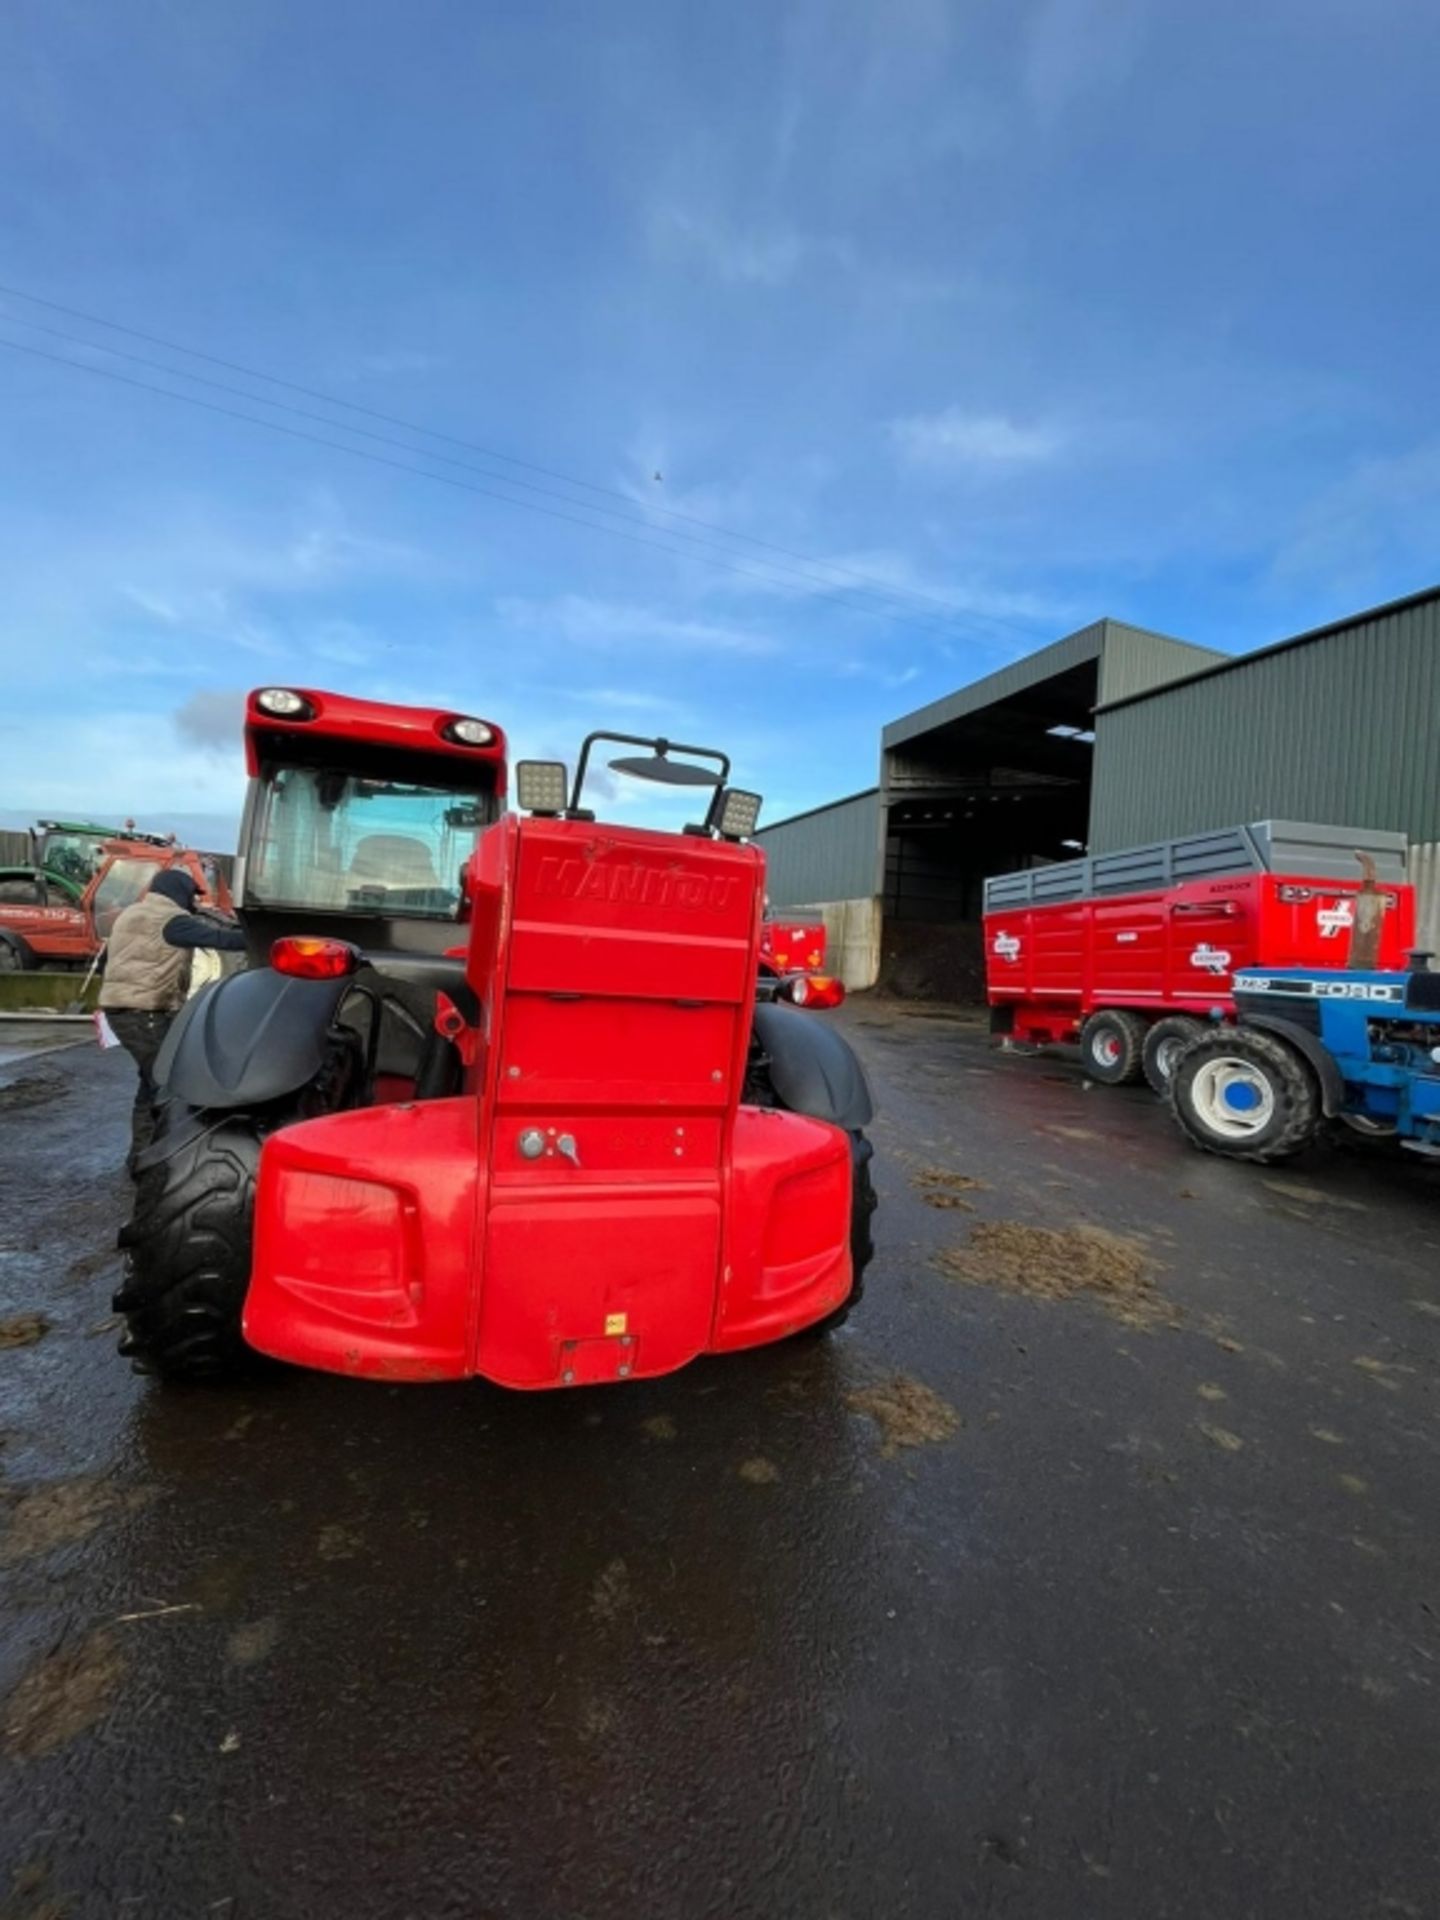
1165	1056
1105	1048
1232	1097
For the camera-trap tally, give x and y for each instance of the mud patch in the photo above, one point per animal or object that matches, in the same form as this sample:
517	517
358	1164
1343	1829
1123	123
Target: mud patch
1074	1133
247	1646
659	1426
759	1472
91	1264
1222	1437
60	1513
1313	1196
31	1090
612	1596
938	1187
907	1412
338	1543
1070	1263
23	1330
67	1692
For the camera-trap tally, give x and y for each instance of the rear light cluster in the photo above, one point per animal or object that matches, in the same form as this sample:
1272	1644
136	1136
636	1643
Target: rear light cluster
815	990
306	957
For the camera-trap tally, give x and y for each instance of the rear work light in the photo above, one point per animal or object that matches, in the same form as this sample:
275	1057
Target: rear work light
284	703
542	786
306	957
814	990
468	733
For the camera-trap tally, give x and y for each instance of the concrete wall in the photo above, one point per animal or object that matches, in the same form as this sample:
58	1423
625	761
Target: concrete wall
1424	869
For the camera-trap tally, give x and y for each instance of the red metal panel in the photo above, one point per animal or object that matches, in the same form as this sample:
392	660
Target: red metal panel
372	723
569	1264
365	1241
787	1228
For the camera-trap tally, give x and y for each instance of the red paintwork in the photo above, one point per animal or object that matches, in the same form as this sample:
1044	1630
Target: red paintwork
793	946
370	723
1147	951
615	969
72	935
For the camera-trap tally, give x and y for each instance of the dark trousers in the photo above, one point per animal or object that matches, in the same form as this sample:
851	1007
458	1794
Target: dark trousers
141	1034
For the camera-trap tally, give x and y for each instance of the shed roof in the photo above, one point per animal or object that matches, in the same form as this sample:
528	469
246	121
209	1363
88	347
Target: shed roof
1233	662
1033	669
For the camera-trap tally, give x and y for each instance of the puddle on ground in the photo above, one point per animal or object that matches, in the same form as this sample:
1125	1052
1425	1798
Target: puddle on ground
30	1090
1070	1263
907	1412
63	1695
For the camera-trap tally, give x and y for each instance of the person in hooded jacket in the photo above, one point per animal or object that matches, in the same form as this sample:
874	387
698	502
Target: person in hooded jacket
147	975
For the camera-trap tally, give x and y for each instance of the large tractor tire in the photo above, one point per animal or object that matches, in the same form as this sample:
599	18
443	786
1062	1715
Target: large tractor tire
1165	1041
1244	1093
863	1202
1111	1046
16	955
187	1258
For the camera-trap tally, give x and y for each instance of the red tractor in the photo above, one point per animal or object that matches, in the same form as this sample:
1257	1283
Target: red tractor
510	1097
60	916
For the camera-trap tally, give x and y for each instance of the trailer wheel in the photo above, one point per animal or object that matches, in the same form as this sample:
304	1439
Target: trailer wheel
1111	1045
1164	1042
187	1258
1246	1094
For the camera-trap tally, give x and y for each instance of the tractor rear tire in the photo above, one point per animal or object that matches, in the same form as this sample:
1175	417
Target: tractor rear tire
16	955
1111	1046
187	1258
1164	1042
1246	1094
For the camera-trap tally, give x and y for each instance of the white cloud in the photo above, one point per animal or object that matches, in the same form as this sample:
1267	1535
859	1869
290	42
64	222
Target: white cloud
955	440
580	620
765	256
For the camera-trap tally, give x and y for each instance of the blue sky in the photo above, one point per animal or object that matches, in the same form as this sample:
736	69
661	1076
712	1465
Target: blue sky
1042	311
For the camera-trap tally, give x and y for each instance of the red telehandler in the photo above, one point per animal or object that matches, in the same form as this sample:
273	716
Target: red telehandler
509	1098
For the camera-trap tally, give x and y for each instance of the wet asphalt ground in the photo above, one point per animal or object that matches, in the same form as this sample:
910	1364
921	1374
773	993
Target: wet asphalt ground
1143	1625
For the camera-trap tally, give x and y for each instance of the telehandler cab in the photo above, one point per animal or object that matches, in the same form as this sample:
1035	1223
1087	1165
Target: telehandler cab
500	1093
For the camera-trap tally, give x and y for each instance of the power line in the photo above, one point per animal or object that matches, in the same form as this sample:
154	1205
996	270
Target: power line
868	582
423	473
304	413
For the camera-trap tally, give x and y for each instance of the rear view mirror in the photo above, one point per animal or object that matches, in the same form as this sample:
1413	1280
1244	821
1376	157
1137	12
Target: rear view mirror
541	786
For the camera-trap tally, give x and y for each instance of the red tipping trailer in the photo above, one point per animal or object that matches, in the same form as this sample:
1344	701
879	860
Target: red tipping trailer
1130	953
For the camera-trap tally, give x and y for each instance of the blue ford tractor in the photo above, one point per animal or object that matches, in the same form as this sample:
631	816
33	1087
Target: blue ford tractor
1308	1048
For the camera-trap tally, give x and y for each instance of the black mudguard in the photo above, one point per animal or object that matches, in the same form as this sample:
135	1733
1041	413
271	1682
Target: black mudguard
813	1068
248	1040
1332	1081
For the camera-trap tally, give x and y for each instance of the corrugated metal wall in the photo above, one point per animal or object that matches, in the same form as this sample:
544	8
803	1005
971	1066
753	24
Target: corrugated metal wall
830	854
1133	660
1344	728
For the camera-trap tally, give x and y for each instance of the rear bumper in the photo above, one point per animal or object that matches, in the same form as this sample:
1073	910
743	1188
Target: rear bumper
382	1252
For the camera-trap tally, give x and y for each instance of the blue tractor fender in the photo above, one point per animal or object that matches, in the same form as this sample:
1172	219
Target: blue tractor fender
248	1040
1332	1081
